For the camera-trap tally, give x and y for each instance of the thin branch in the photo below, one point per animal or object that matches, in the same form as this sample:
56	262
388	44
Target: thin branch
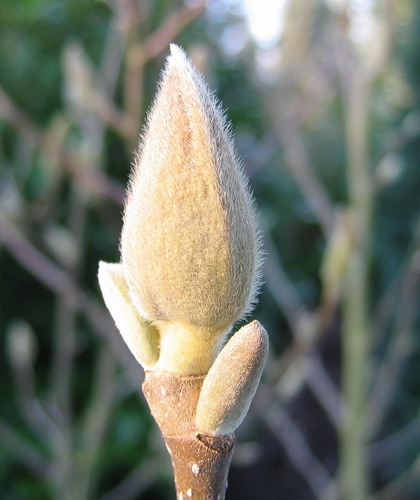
108	112
32	259
358	78
400	487
159	40
139	52
299	165
294	443
58	281
65	332
31	409
134	75
388	448
281	287
132	486
111	61
15	117
387	374
302	344
23	452
323	388
387	304
95	423
81	173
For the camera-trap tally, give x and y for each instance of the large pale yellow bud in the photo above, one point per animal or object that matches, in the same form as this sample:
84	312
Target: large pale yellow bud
189	244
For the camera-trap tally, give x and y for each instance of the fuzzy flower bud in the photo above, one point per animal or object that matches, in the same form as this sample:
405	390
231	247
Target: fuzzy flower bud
189	243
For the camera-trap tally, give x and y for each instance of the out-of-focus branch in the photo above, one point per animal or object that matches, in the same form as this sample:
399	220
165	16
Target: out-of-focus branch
130	22
136	482
83	174
64	343
32	259
354	470
356	316
95	424
282	290
158	41
295	445
399	345
111	115
304	325
401	486
323	388
139	52
15	117
25	453
388	448
57	280
299	165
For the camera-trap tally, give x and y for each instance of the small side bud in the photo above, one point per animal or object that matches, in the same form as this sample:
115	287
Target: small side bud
140	336
232	381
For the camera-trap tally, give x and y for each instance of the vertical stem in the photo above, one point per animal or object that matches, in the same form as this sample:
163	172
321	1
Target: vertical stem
200	461
64	350
354	464
94	427
354	473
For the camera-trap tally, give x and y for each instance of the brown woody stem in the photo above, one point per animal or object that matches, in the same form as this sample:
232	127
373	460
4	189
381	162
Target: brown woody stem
200	461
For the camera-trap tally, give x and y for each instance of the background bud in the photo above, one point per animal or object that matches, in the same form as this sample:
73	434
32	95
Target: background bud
232	381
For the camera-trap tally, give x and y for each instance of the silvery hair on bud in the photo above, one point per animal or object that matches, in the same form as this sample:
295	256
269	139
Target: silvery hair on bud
190	243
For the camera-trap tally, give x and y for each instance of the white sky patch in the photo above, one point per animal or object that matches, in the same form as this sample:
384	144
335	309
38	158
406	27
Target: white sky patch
265	19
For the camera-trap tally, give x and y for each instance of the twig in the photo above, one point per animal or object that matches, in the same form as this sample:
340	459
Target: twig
136	482
400	487
111	60
81	173
57	280
301	456
139	52
133	76
95	423
111	115
387	374
322	387
388	448
17	118
301	345
25	453
356	297
356	320
281	287
32	259
298	163
159	40
65	331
